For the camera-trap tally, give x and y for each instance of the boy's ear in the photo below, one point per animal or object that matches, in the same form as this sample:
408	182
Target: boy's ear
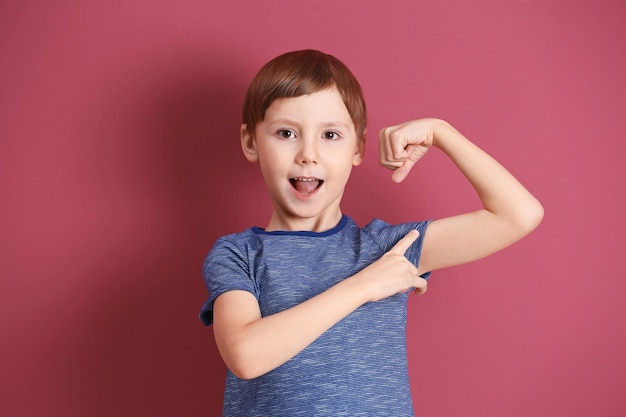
359	154
248	144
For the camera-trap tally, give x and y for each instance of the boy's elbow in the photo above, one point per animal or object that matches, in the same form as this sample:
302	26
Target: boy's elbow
244	366
244	371
241	373
530	216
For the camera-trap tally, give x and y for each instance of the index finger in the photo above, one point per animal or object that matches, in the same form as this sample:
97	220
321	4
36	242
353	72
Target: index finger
405	243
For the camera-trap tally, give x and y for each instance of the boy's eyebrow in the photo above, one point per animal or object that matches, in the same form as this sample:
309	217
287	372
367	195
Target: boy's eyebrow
337	124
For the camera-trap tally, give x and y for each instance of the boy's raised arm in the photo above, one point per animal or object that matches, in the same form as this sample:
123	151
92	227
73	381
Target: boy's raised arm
509	210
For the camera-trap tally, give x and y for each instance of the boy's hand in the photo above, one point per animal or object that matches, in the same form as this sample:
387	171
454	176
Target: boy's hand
401	146
393	273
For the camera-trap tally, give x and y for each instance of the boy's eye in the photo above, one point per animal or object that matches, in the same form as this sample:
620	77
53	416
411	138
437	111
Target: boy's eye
331	135
286	134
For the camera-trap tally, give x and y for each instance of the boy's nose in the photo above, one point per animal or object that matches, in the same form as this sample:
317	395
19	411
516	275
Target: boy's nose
308	152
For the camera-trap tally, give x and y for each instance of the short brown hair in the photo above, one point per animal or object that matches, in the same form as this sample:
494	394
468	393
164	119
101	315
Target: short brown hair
297	73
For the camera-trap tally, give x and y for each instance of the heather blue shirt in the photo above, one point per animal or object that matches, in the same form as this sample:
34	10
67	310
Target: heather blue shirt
356	368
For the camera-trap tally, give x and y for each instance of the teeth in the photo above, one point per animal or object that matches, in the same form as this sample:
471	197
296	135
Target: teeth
305	179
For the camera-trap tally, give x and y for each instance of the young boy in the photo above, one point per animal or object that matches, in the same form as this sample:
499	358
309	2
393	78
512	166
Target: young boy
309	313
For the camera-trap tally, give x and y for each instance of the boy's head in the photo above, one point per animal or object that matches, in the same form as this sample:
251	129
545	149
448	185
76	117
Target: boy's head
298	73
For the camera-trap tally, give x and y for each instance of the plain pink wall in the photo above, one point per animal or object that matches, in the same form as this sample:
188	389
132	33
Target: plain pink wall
120	165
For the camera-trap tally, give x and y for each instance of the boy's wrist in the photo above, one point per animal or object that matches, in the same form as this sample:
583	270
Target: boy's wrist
358	287
443	134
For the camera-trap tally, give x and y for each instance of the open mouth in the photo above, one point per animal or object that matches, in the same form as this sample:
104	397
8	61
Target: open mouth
305	185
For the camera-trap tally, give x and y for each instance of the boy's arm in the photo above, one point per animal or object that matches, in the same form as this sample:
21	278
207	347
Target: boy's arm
509	211
252	345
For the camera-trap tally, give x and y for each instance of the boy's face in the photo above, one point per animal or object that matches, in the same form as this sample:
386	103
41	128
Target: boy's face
306	147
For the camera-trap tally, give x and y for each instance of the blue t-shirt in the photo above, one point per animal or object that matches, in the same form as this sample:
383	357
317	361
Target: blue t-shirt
356	368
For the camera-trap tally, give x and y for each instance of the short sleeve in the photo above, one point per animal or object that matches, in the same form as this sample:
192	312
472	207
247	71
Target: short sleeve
225	269
387	236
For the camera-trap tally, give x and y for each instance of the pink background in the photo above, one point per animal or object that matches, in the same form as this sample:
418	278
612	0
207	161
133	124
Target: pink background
120	166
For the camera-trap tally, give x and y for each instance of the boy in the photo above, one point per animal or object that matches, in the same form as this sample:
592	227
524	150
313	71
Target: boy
309	313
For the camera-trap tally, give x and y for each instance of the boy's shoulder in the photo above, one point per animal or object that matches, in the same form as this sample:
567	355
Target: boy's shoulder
381	230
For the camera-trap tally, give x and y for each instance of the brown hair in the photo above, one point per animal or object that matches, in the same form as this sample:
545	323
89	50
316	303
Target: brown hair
297	73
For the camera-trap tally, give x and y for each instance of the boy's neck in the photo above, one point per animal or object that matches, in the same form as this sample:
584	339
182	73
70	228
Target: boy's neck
316	224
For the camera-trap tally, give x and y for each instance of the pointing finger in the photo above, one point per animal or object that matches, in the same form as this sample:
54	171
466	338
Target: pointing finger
406	242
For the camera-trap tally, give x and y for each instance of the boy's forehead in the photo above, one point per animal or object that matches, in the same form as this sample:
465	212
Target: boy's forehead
324	103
